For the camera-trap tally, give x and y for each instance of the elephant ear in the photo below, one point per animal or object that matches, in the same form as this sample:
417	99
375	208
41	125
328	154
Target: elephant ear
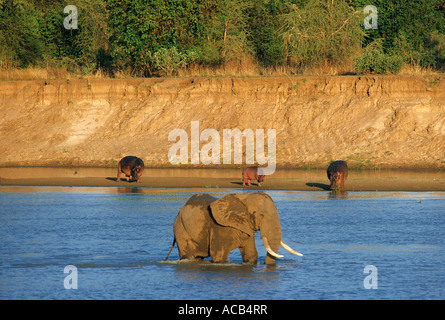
230	211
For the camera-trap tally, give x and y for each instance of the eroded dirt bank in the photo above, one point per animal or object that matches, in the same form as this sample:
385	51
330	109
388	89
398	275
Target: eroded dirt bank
381	121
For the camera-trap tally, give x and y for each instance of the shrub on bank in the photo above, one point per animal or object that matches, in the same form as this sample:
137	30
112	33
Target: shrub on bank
374	60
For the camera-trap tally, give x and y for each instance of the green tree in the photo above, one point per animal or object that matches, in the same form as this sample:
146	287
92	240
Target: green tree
265	25
322	32
21	43
156	37
32	33
138	28
413	29
231	29
78	49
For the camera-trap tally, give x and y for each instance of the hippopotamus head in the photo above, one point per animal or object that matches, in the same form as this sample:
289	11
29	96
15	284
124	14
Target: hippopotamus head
261	178
336	179
136	172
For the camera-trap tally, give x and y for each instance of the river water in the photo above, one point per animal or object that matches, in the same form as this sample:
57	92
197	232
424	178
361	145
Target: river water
356	245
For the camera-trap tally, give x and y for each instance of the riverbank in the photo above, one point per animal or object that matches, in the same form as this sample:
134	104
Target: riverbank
282	179
372	122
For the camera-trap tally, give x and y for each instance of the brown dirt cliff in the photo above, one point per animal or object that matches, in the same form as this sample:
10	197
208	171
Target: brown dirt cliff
370	121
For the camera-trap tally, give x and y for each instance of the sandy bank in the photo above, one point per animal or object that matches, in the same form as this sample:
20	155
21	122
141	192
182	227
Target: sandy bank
359	180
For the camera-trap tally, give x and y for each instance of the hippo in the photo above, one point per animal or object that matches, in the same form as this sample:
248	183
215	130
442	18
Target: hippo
251	173
337	174
132	167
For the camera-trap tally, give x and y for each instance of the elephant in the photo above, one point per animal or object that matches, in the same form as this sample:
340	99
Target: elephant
210	227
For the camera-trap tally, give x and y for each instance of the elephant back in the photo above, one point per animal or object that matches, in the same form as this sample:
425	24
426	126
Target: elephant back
194	215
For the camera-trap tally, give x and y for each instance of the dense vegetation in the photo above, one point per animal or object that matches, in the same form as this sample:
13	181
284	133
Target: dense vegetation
160	37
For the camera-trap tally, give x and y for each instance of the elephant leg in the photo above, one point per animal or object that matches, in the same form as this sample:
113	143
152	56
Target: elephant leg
219	256
187	248
221	244
249	252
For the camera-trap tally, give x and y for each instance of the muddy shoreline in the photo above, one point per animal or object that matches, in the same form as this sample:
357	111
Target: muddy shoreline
282	179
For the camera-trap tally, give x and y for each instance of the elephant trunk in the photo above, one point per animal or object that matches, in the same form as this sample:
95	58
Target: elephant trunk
271	254
271	234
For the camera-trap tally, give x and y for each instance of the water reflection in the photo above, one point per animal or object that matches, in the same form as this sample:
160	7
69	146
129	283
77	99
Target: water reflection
241	278
337	195
130	190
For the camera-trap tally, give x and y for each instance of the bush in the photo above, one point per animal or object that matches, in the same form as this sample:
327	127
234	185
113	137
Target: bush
374	60
166	61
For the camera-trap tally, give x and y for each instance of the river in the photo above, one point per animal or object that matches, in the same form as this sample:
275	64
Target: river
111	243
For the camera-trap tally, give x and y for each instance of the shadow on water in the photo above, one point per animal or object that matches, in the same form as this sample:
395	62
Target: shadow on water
240	183
121	180
322	186
127	189
333	194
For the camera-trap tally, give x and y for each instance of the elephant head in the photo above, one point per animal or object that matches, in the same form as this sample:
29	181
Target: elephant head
250	213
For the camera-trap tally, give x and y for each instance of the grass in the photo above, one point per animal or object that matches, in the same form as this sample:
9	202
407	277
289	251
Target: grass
246	67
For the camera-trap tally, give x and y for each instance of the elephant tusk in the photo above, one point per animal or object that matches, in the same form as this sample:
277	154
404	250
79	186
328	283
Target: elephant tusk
269	250
285	246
